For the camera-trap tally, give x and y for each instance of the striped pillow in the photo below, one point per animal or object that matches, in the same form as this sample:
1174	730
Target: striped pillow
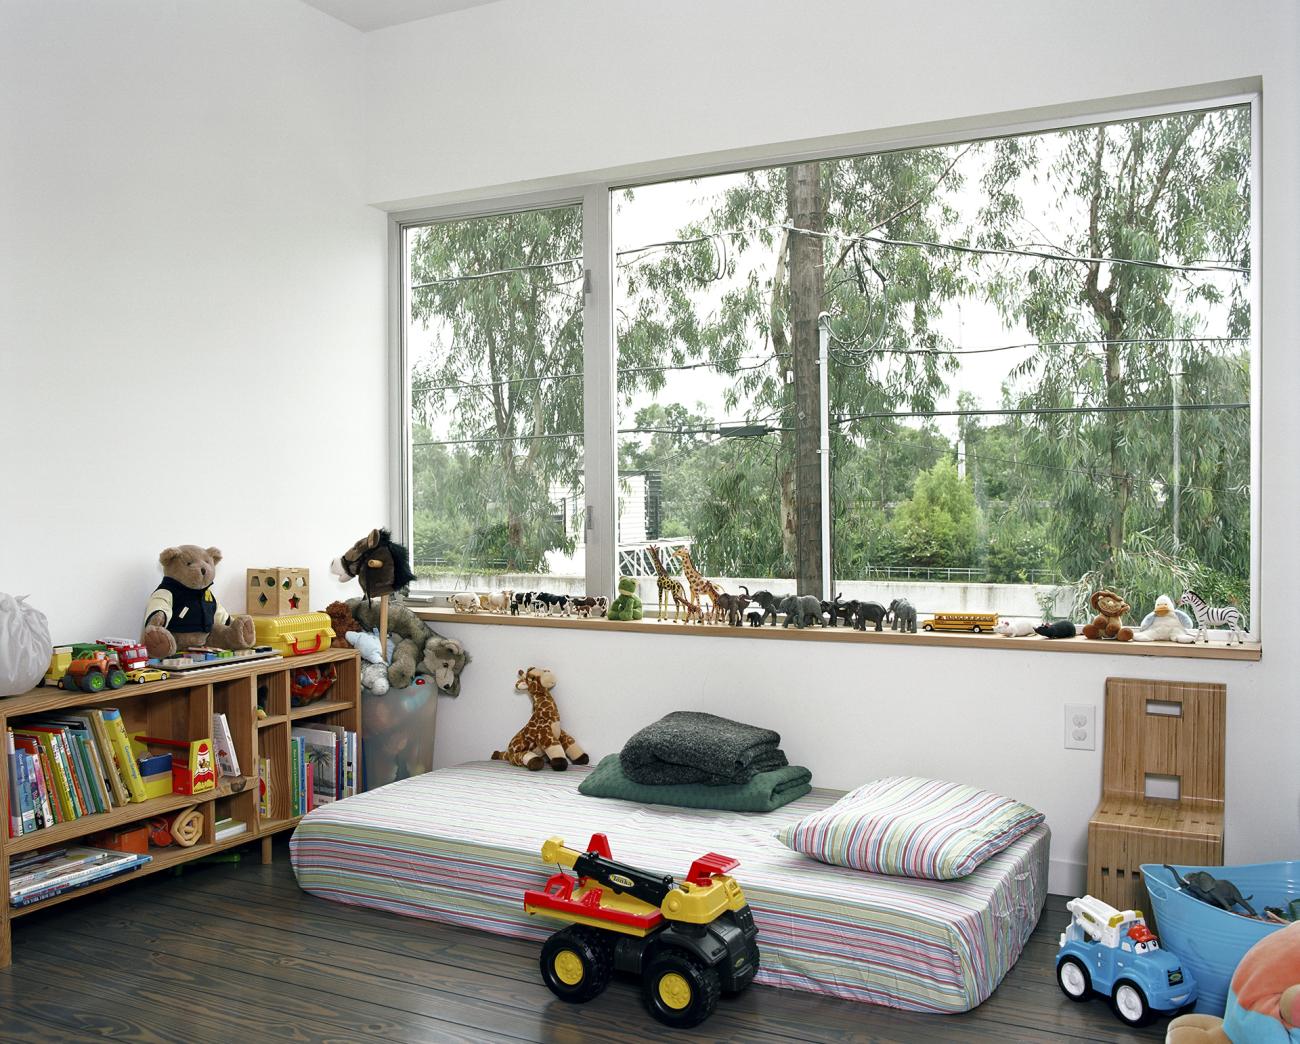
912	827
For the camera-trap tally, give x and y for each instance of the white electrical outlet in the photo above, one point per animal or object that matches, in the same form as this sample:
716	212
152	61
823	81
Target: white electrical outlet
1080	726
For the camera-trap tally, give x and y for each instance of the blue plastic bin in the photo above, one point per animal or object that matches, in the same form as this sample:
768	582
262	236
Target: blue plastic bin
1210	941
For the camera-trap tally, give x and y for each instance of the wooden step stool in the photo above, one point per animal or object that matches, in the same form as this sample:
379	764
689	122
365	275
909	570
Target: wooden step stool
1162	736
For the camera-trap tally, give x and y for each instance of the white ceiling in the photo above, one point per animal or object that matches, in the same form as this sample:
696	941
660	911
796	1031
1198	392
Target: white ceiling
368	15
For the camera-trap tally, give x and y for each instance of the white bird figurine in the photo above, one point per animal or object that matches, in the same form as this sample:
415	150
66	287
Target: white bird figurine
1166	624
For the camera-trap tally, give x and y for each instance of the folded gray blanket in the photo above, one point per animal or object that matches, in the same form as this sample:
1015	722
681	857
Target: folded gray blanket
693	747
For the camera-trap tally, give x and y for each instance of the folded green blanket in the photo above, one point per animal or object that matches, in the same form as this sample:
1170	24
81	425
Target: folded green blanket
694	747
763	793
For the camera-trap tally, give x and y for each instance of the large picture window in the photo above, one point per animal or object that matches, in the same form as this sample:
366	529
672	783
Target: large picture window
995	375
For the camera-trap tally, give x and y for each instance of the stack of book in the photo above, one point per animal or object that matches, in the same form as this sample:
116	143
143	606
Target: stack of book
43	875
323	766
62	768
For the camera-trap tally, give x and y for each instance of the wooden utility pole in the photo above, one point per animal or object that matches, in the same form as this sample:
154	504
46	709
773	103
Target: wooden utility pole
804	197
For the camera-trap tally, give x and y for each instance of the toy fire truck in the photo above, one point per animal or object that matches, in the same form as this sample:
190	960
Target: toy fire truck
1114	953
689	941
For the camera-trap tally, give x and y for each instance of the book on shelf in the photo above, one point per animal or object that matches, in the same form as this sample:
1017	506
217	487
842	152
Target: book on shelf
57	770
330	751
44	875
264	787
224	744
122	755
229	827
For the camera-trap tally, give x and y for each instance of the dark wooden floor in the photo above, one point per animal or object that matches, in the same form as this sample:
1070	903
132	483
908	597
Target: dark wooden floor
237	953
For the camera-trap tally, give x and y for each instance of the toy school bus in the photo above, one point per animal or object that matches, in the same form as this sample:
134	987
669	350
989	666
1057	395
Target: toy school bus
976	622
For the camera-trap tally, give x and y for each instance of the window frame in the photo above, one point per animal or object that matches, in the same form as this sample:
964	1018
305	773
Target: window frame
595	197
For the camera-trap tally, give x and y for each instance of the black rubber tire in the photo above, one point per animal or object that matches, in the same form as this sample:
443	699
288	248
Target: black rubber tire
926	627
595	955
93	681
1087	979
705	988
1147	1014
977	629
116	678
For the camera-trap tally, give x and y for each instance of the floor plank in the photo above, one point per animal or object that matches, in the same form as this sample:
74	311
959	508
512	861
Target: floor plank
223	952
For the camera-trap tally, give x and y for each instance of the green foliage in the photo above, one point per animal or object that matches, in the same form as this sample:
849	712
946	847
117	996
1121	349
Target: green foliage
1082	494
940	524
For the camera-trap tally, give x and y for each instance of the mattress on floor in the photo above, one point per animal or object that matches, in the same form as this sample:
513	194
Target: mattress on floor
460	845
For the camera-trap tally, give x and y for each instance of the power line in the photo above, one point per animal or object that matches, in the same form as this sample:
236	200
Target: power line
1045	411
1094	474
879	415
1044	255
848	349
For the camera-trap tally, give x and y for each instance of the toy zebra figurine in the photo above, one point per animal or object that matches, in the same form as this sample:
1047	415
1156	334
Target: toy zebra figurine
1228	616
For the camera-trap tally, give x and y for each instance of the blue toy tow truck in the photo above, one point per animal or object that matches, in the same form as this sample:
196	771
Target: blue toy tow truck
1114	953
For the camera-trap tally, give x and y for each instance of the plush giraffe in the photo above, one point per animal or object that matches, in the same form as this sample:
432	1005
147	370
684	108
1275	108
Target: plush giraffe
669	587
701	588
541	740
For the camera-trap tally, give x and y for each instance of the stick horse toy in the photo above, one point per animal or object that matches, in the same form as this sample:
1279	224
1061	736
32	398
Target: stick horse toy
381	566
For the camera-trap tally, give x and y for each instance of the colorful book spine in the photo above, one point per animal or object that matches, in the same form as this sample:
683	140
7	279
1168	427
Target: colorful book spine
15	805
295	791
111	772
44	809
57	771
122	753
45	785
264	787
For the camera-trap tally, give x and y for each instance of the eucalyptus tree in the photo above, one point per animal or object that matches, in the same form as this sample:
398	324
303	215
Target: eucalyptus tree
1123	343
772	251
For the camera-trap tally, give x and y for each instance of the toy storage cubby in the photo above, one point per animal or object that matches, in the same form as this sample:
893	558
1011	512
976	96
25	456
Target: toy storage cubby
181	708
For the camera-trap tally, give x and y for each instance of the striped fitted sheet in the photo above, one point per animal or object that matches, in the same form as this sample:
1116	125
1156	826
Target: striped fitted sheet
460	845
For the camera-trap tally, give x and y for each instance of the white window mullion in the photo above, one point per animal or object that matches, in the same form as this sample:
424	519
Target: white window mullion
599	368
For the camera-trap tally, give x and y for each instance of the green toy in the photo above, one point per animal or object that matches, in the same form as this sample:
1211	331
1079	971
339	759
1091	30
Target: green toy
627	606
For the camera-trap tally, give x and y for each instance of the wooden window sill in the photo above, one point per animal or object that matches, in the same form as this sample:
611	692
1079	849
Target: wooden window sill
1213	651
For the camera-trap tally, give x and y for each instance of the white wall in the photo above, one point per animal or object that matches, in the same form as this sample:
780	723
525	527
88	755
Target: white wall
192	327
520	94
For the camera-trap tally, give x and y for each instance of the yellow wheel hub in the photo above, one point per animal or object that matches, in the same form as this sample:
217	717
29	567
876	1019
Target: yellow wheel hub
568	967
674	991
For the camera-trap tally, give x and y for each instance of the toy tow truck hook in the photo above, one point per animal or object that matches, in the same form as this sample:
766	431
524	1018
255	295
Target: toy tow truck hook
688	941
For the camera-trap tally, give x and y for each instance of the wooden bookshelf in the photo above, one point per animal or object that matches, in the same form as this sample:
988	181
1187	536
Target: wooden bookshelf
181	708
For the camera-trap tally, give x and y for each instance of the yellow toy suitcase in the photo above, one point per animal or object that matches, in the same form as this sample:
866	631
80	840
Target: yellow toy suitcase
295	634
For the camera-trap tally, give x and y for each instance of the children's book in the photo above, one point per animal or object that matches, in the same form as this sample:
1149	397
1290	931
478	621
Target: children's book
122	752
223	742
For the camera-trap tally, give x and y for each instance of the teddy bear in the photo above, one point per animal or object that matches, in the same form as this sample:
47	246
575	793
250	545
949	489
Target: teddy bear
183	612
1263	1002
1109	621
342	622
627	606
443	661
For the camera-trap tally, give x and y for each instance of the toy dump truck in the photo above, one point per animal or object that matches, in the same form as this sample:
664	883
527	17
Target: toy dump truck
688	941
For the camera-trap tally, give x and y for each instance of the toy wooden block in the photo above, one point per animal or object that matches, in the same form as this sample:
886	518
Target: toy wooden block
279	591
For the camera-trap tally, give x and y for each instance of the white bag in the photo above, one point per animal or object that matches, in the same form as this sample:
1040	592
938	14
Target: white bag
24	645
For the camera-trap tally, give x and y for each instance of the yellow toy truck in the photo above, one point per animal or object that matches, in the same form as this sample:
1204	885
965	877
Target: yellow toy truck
689	941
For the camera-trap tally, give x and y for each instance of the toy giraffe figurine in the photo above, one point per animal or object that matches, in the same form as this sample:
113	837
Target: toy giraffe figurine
701	588
541	740
669	587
